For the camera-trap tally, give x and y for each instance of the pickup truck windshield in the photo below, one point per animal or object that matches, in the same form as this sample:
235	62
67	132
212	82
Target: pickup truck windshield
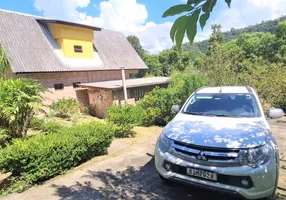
224	105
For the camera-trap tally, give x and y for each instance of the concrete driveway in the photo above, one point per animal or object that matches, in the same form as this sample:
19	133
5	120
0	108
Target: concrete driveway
127	173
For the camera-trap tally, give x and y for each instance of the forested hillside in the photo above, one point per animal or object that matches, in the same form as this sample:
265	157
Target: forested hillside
265	27
251	58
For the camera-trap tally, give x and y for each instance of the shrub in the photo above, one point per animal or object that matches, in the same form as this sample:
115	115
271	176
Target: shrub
5	137
87	110
19	100
51	127
37	123
44	156
157	104
125	118
66	107
155	108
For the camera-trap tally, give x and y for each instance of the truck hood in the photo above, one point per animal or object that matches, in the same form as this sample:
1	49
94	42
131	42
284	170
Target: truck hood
217	132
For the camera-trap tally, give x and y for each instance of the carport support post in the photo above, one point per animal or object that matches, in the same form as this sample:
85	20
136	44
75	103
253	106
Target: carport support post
124	84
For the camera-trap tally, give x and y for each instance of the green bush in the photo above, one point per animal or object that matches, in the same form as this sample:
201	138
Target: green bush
51	127
157	104
5	137
125	118
66	107
19	100
155	108
44	156
37	123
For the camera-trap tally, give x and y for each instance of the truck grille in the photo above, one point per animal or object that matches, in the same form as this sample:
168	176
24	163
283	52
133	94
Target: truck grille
205	155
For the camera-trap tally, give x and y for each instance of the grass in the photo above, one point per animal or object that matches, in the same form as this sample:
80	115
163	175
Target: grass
80	119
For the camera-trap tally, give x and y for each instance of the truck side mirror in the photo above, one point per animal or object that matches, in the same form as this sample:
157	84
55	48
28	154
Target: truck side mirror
176	108
275	113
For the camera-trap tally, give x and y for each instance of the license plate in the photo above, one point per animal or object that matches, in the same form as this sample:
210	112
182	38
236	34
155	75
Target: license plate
202	174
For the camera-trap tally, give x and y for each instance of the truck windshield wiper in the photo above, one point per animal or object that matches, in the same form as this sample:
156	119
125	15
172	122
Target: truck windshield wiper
222	115
194	113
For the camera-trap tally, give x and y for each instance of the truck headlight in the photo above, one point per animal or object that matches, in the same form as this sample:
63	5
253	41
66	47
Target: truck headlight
164	143
256	157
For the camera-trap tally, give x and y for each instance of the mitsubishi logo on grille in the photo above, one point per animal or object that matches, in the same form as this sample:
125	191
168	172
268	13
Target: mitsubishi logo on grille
201	156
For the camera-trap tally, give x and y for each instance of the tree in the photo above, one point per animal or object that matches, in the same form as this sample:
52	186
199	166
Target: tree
174	60
194	11
154	65
281	42
216	37
19	101
135	42
4	63
264	27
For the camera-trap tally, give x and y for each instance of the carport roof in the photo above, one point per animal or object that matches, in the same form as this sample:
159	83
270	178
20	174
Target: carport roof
130	83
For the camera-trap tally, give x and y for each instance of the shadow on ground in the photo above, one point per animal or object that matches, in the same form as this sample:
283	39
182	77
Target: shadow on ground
132	183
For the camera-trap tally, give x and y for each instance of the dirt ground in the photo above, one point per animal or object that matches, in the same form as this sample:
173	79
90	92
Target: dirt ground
128	172
278	128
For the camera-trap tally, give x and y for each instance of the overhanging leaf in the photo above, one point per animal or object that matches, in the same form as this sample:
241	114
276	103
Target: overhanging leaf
212	4
191	1
176	25
203	19
177	9
197	2
228	2
192	25
206	6
181	31
209	5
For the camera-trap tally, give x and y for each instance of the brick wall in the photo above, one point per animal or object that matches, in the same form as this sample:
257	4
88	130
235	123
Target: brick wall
100	100
67	78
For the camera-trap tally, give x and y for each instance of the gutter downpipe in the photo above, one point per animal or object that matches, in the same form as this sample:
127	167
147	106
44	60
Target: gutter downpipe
124	84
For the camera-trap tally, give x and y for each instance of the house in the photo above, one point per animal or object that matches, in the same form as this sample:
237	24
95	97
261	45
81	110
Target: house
73	60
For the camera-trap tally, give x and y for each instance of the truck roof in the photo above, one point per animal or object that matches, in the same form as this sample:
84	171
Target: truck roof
225	89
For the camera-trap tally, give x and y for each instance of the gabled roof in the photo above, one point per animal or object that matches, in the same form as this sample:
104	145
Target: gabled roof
55	21
115	50
31	48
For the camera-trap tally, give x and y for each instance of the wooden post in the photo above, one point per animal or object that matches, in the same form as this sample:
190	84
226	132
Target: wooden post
124	84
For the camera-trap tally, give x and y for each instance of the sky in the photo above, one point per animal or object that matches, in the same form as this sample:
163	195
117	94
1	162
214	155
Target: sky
143	18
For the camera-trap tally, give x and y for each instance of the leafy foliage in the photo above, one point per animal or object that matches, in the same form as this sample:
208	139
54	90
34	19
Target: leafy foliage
37	123
19	100
4	62
124	118
248	60
66	107
45	156
135	42
158	103
51	127
194	11
264	27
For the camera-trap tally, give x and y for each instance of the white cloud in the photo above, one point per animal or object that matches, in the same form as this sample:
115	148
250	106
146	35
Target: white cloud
126	16
244	13
130	17
61	9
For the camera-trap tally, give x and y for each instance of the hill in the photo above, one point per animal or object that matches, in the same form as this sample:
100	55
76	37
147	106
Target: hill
264	26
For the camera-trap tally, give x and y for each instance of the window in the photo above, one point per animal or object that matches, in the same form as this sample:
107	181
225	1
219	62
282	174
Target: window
227	105
77	49
75	84
59	86
139	94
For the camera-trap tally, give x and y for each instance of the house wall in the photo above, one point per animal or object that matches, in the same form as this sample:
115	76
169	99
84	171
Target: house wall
68	36
67	78
100	100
